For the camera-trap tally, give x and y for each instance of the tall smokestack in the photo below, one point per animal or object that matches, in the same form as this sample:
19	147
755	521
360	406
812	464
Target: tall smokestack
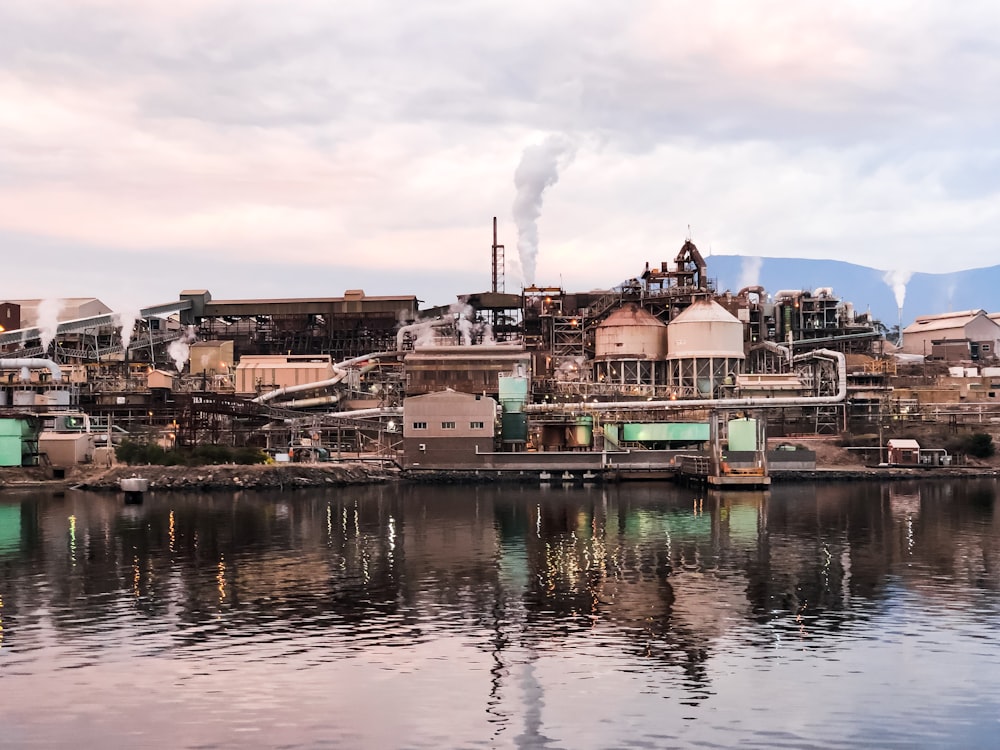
498	264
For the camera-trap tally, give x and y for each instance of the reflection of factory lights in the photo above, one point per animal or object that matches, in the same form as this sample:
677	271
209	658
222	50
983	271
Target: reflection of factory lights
392	537
172	532
221	578
72	540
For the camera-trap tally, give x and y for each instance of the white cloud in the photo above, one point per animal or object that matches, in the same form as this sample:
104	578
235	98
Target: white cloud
386	134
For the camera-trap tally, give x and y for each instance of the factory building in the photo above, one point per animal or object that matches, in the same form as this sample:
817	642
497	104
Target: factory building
32	311
970	335
447	429
342	327
665	334
469	369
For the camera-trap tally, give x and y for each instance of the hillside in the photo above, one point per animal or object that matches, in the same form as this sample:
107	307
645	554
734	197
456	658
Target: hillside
926	293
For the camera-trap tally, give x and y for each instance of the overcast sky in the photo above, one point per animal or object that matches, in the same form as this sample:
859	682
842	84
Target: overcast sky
294	148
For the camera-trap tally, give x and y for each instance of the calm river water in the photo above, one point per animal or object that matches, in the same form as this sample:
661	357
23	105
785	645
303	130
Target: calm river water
829	616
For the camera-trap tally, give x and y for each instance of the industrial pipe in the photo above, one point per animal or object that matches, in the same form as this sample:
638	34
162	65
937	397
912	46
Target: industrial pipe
750	402
385	411
338	368
302	403
784	351
17	364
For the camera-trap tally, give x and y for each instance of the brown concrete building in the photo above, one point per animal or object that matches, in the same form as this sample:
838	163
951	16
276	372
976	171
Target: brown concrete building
447	429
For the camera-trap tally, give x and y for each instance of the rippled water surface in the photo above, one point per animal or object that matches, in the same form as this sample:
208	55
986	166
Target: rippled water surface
480	617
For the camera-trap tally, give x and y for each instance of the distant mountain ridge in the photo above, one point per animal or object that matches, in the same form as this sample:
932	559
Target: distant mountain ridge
866	288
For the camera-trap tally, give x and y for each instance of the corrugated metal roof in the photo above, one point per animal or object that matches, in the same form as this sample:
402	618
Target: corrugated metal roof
945	322
631	315
912	445
952	314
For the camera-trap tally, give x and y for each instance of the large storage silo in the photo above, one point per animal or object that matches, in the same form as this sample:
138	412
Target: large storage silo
630	348
705	347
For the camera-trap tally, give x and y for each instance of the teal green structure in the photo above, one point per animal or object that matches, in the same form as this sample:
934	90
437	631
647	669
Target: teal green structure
684	433
15	438
10	528
743	435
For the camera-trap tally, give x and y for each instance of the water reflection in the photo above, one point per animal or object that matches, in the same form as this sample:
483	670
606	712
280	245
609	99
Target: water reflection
502	601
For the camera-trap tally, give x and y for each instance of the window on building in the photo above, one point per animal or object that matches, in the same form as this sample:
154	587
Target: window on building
984	348
419	425
476	425
447	425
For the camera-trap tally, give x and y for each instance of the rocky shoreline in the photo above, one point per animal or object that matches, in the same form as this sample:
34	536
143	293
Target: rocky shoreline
881	474
212	477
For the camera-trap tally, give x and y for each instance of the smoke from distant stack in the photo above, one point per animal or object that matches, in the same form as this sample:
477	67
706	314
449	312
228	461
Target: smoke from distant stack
538	170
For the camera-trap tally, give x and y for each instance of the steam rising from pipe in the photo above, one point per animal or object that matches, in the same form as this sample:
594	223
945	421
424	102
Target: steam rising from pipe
126	319
48	320
180	349
539	169
460	324
750	272
897	281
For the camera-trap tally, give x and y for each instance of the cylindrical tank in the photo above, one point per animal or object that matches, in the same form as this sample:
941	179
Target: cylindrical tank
630	332
514	427
705	329
581	433
705	346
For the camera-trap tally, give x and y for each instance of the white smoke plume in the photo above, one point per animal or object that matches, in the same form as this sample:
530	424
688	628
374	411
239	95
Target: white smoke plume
48	320
463	321
459	326
750	272
949	292
426	333
539	169
897	281
180	349
126	319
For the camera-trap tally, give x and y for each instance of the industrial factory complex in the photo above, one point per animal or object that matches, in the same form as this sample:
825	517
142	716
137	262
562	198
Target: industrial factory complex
661	370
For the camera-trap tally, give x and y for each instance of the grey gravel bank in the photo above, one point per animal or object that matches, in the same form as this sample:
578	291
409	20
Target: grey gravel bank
220	477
